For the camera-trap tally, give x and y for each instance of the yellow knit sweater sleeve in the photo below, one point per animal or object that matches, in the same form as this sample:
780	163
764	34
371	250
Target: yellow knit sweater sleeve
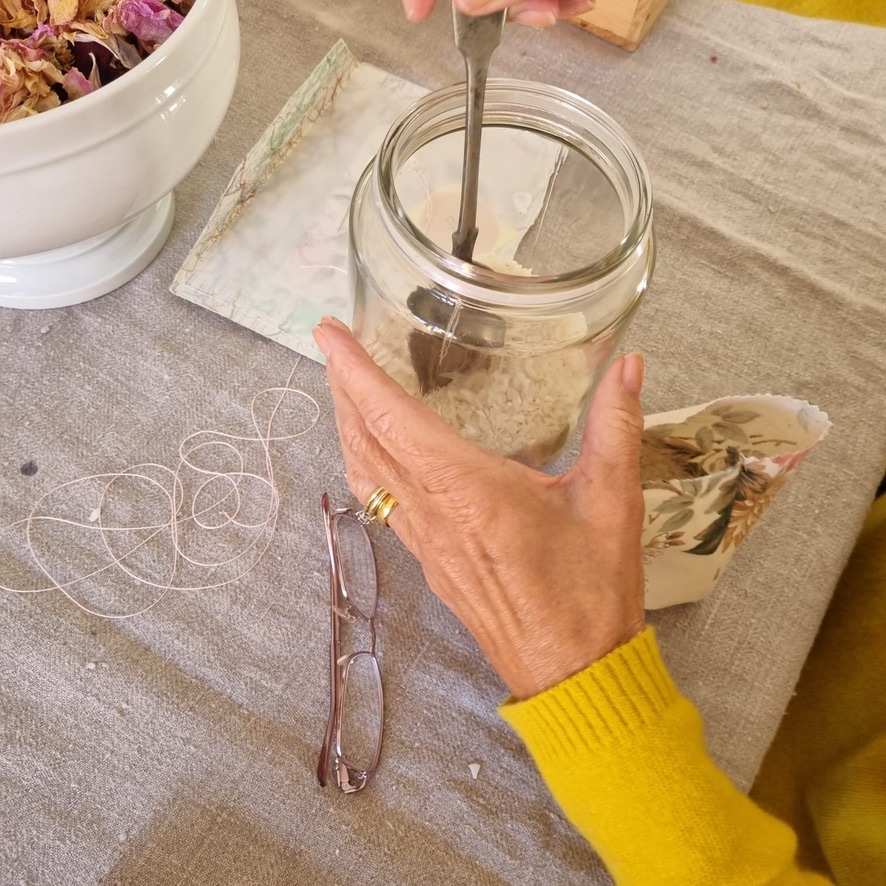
623	753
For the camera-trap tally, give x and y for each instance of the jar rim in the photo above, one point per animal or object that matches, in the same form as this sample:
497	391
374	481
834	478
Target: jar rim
533	97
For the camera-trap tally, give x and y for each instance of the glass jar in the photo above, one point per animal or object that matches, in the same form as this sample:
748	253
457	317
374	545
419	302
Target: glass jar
508	349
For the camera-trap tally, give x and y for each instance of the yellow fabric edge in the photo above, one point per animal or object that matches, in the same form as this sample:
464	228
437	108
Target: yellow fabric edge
877	514
864	12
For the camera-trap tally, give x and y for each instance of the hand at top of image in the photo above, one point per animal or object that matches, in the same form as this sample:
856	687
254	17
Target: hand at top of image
536	13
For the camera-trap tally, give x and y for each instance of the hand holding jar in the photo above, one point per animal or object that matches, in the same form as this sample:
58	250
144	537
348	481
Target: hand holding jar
546	572
537	13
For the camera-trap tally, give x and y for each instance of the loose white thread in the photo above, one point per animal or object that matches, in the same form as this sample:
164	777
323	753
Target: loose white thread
218	503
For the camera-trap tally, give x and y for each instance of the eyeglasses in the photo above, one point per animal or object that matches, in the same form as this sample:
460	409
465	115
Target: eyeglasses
352	745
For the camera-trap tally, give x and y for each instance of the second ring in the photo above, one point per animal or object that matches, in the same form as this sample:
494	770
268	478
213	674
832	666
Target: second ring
380	505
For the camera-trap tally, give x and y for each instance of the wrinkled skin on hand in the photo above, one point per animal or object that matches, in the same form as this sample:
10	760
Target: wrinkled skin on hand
546	572
538	13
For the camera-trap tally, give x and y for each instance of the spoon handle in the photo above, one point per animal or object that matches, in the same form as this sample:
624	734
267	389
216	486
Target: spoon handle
476	37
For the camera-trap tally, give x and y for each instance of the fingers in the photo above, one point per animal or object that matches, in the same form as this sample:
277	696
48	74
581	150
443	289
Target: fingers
418	10
535	13
569	8
367	463
362	454
609	463
409	434
487	7
359	464
538	13
397	519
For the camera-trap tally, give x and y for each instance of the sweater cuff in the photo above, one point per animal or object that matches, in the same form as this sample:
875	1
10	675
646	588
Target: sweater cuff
606	702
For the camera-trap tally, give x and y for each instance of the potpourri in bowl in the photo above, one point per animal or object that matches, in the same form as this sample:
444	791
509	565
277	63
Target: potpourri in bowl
55	51
105	106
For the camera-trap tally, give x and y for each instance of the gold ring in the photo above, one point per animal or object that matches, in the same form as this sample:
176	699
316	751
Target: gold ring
380	505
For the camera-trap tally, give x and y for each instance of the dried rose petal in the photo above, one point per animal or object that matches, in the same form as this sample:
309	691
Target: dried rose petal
76	85
23	15
55	46
94	9
27	78
63	11
90	56
149	20
42	33
115	41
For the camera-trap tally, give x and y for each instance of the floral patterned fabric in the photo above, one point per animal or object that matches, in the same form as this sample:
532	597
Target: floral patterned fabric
709	473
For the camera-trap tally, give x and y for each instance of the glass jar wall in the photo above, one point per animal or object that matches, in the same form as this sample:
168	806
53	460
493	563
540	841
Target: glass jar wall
508	349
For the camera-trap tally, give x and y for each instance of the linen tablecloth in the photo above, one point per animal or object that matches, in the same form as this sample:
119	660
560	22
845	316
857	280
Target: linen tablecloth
179	747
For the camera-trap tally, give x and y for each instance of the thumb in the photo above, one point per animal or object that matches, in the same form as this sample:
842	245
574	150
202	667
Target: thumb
609	464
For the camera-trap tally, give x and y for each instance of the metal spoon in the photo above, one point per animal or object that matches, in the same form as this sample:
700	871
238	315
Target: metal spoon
476	37
435	357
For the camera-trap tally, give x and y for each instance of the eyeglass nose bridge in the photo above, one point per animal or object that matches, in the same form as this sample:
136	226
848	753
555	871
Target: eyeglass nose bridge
350	616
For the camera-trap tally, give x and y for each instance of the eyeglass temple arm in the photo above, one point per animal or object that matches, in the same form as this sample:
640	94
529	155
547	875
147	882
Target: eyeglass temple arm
334	653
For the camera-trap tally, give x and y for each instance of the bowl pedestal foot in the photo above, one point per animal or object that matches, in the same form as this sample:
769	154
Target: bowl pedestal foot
85	270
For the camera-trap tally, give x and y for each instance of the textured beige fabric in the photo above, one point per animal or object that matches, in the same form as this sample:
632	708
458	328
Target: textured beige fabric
187	754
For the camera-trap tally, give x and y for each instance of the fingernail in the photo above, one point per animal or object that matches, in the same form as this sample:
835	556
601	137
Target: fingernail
334	321
632	371
535	19
320	339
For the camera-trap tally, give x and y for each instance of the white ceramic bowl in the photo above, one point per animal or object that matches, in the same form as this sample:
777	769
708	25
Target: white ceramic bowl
87	187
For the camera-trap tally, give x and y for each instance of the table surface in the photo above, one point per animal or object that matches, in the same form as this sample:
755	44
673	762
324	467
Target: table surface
178	747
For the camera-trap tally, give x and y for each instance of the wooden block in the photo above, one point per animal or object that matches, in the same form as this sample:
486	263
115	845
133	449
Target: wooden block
622	22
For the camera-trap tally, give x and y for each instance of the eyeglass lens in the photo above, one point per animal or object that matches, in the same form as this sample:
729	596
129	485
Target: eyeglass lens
356	564
361	712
